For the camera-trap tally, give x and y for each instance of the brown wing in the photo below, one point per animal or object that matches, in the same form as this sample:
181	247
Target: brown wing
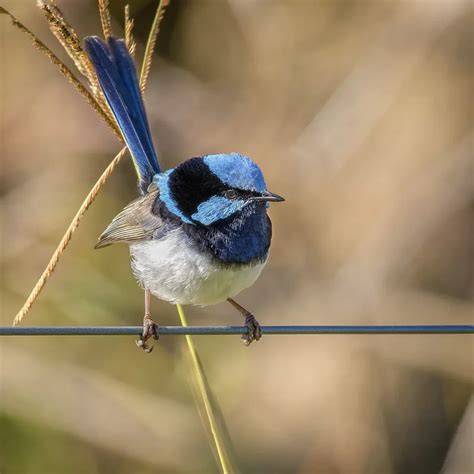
135	223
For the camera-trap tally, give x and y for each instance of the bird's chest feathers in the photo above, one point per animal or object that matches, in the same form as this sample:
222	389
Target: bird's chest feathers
176	271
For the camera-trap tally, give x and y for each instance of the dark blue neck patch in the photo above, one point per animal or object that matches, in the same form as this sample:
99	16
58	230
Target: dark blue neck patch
243	238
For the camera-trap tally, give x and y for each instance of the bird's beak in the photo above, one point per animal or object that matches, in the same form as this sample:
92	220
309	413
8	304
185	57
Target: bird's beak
268	196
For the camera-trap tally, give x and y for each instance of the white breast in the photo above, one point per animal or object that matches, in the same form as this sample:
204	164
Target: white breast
173	270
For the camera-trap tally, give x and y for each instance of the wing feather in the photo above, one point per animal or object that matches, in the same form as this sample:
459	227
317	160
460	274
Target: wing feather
134	224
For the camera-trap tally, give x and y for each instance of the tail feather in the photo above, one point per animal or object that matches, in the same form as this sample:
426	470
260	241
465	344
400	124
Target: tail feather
118	79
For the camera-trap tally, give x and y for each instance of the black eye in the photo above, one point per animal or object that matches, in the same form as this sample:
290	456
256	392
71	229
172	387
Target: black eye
230	194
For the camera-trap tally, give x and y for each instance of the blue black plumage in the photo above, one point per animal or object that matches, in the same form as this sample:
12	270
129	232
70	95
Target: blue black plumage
212	199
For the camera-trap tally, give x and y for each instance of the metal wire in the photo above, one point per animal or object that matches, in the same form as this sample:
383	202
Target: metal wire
229	330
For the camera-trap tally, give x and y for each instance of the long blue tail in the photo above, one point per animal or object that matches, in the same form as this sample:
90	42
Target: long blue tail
118	79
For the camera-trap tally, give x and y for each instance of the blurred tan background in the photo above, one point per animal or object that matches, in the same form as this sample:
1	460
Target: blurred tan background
360	113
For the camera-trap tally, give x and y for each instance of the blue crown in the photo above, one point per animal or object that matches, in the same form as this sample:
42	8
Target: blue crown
237	171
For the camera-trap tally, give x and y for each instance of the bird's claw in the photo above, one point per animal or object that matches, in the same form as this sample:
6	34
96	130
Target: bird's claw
150	329
254	331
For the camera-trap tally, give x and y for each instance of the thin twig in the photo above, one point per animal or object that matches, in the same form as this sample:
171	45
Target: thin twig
129	39
70	41
38	44
67	237
150	44
105	20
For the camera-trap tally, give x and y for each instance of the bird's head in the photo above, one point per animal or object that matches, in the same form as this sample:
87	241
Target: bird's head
208	189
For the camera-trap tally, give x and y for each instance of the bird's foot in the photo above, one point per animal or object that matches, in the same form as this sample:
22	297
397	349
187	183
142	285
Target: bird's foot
150	329
254	331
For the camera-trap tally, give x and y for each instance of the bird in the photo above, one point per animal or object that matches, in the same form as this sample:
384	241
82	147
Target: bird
199	233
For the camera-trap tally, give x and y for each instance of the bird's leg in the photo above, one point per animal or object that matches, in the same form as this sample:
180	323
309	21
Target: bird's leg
254	332
150	328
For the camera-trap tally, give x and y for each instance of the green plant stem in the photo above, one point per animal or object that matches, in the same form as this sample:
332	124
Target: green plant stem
206	399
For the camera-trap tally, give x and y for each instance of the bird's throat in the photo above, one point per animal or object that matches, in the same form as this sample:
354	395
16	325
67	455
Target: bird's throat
243	238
